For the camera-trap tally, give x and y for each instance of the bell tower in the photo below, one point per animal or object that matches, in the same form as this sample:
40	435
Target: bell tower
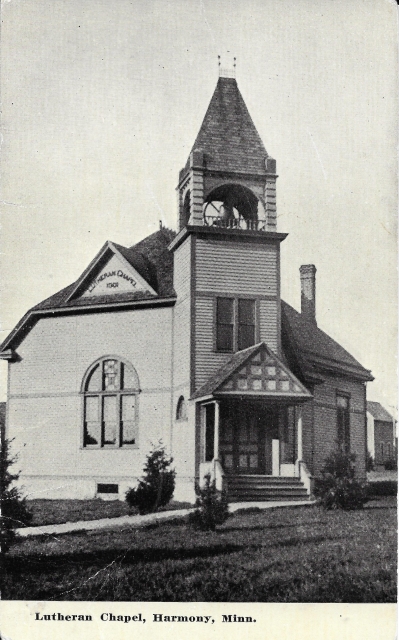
229	179
227	250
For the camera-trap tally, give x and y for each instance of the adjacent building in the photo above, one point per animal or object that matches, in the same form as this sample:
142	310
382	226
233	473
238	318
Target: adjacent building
381	434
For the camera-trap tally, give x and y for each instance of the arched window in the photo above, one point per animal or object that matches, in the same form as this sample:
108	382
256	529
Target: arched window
110	404
185	213
181	409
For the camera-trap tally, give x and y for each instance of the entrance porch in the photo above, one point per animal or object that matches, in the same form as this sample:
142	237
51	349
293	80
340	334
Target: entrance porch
250	426
254	449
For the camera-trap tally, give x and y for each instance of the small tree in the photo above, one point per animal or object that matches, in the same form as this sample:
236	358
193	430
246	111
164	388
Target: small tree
212	506
156	488
14	511
337	487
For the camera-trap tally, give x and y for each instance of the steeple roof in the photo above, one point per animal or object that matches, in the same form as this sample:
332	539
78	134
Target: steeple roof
228	137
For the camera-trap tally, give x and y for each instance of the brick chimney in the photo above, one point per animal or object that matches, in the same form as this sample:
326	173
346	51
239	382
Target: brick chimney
308	292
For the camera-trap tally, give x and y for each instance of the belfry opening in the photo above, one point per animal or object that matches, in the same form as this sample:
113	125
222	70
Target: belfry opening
233	206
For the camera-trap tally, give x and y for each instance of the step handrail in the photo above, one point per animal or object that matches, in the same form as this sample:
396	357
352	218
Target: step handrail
305	476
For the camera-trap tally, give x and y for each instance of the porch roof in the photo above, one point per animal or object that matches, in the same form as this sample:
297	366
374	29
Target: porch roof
255	372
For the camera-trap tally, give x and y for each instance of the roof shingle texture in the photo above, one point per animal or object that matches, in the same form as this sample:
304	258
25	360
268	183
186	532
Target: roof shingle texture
228	137
313	342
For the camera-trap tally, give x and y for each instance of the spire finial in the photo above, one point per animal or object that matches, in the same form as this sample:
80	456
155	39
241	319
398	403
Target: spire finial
228	71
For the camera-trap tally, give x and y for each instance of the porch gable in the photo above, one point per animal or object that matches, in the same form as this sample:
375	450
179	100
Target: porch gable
254	372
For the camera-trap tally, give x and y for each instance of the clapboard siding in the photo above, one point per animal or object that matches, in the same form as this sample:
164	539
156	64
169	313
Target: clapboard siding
326	432
58	351
206	360
235	267
182	315
181	343
268	323
182	269
327	393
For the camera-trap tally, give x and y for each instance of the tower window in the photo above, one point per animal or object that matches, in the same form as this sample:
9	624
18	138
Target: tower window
225	324
110	405
246	323
235	323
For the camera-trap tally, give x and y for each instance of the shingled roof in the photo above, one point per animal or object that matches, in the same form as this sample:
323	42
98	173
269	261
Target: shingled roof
228	137
151	259
379	412
315	350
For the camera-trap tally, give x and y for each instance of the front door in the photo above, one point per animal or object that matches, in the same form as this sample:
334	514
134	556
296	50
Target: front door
246	433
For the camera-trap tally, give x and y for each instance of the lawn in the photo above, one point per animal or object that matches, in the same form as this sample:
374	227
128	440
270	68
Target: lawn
60	511
282	555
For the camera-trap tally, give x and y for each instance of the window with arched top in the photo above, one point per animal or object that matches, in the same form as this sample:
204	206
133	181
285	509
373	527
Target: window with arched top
181	409
110	404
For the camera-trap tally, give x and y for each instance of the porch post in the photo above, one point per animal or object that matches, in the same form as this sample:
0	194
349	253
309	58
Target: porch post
299	432
216	436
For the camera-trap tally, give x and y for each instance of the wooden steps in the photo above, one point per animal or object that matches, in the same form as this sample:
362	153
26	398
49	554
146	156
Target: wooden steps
257	488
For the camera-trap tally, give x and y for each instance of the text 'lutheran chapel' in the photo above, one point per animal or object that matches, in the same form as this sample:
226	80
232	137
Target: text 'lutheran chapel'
184	338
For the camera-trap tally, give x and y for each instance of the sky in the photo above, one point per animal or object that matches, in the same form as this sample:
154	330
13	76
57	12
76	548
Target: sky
102	102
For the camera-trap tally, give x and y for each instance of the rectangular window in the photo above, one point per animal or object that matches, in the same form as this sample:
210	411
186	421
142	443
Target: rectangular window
107	488
246	323
235	324
225	324
343	423
92	421
109	419
128	419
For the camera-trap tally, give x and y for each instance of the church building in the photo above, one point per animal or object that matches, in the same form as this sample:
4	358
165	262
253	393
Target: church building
183	338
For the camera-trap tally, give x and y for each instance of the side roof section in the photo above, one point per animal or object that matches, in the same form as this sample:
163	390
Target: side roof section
315	351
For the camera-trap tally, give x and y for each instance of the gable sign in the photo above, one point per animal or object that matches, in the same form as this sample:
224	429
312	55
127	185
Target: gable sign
264	374
115	277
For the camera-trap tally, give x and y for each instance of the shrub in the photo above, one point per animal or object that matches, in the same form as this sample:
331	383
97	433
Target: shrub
337	487
211	506
369	462
383	488
391	464
156	488
14	512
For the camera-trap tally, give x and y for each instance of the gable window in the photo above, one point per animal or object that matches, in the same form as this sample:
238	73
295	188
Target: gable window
343	423
235	324
181	409
110	389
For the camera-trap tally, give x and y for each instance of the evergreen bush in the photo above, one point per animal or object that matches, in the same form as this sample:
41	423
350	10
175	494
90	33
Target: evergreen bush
14	511
212	506
156	488
337	487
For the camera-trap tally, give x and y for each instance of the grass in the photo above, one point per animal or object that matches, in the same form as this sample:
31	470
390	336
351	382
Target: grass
281	555
60	511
